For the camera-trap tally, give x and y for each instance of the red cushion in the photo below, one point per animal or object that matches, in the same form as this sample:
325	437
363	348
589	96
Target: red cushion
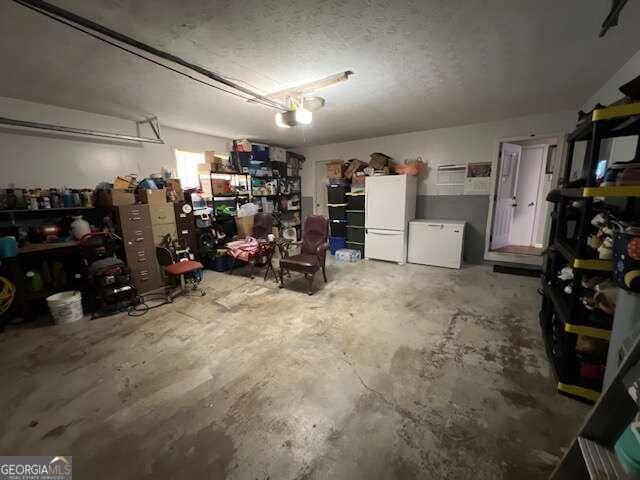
181	268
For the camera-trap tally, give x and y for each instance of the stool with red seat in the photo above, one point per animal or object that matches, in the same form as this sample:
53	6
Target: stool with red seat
187	271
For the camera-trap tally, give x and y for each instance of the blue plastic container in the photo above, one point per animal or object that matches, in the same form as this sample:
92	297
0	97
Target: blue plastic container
336	243
221	263
8	247
260	152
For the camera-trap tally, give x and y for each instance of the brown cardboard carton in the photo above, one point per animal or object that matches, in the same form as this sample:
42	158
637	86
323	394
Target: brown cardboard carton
334	169
153	196
355	165
114	198
121	183
244	226
358	178
174	185
220	186
379	160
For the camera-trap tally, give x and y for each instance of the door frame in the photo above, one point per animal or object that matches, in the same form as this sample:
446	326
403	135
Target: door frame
316	193
535	260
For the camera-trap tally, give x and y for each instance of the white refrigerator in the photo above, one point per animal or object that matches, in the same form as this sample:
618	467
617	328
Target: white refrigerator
390	204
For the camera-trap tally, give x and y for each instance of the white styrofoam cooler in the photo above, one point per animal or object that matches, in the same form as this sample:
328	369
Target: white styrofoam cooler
436	242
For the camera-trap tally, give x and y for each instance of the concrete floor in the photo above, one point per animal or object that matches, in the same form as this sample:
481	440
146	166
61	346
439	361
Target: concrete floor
387	372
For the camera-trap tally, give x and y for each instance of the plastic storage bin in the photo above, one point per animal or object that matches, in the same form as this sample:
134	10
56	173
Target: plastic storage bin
221	263
338	228
355	200
337	211
355	217
355	234
65	307
356	246
336	193
336	243
348	255
260	152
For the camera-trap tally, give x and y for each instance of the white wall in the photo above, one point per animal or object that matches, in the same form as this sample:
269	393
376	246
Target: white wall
619	149
610	92
42	159
469	143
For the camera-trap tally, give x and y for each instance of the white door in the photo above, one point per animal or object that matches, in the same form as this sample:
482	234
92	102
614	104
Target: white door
385	202
506	194
524	213
385	245
320	207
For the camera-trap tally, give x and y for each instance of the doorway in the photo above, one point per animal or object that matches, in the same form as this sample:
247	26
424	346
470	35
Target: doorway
525	172
321	182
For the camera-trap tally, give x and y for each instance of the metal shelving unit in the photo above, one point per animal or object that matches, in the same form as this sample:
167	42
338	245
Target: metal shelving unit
12	214
563	317
236	197
591	453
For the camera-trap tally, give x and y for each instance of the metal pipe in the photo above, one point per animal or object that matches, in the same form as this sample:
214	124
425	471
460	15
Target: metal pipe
78	131
42	6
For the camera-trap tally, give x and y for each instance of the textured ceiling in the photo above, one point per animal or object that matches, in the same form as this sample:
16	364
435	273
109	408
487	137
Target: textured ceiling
418	64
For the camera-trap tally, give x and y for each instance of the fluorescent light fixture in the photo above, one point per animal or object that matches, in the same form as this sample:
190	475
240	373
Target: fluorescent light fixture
310	87
303	116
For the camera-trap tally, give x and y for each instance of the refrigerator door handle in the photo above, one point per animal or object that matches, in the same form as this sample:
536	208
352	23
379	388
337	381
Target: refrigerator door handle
379	232
366	206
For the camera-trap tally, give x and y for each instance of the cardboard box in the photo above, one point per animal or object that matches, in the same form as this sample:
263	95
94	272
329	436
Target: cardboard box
244	226
379	160
220	186
334	169
243	146
114	198
355	165
358	178
174	185
204	169
121	183
153	196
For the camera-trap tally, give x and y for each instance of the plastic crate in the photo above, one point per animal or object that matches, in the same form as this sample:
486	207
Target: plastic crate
337	211
355	217
355	234
336	243
337	193
338	228
355	201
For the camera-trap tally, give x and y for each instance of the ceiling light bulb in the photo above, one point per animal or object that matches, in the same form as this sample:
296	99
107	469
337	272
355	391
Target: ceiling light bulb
303	116
279	121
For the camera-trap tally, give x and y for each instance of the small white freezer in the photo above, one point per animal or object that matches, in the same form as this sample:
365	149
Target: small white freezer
436	242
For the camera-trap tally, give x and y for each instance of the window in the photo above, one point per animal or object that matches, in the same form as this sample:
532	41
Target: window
187	167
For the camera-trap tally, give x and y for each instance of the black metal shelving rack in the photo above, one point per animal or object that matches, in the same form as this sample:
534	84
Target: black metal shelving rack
237	198
282	194
562	315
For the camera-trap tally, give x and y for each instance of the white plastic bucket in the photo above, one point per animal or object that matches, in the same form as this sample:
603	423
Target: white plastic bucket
65	307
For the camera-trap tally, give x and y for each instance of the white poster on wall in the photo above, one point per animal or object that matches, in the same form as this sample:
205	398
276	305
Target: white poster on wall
478	181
